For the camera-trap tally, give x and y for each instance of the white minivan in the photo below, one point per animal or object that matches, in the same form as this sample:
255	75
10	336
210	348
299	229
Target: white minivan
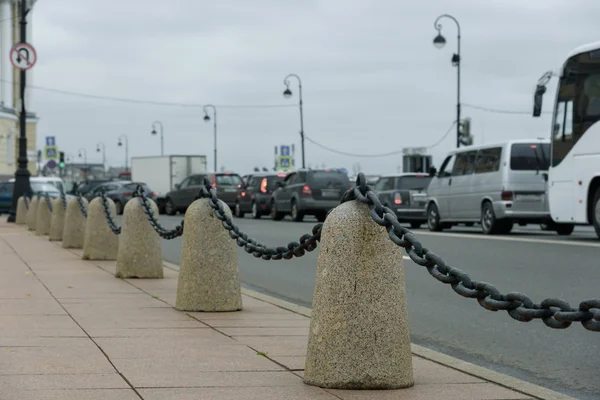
58	183
495	185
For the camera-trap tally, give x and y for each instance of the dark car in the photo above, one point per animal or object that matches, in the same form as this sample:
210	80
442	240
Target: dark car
255	196
85	188
226	184
120	192
6	194
406	194
309	192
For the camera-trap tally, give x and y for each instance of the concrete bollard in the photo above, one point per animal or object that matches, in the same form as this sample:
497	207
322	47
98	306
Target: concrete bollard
21	218
32	213
43	215
208	274
140	250
74	229
57	222
359	337
100	243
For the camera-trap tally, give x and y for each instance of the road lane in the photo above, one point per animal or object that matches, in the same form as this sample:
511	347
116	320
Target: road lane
540	264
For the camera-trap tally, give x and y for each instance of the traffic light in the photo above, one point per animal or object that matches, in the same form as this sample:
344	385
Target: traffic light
465	137
61	159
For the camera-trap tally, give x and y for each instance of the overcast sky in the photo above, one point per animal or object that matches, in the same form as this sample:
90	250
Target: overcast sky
372	80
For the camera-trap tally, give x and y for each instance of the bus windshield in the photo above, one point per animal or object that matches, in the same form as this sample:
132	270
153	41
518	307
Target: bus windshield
577	105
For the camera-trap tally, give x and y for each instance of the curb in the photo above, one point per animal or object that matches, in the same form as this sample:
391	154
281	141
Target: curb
498	378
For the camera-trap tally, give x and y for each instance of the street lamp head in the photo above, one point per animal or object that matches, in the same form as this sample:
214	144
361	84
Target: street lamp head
79	154
153	131
206	118
120	143
287	93
439	41
98	149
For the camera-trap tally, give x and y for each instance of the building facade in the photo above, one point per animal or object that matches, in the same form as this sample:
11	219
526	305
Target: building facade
10	97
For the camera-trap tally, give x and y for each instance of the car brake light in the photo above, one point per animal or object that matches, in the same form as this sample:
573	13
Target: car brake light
263	185
214	181
128	194
281	175
533	146
506	196
397	199
154	194
306	190
243	194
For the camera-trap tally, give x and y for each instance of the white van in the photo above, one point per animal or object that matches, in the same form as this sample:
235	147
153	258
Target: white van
495	185
53	180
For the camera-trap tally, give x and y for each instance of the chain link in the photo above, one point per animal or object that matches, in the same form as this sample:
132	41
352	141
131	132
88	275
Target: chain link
48	202
554	312
111	223
308	242
162	232
26	201
81	206
63	199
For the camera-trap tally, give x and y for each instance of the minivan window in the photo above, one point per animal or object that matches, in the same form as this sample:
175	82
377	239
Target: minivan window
272	181
229	180
384	184
462	160
530	156
488	160
447	166
413	182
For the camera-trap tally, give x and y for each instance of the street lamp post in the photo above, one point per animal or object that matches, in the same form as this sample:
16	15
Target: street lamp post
22	174
214	118
287	93
126	150
101	144
82	151
439	41
162	143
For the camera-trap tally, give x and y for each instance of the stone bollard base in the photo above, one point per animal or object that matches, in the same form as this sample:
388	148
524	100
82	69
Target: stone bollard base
21	218
74	229
32	213
43	216
100	243
208	274
57	222
359	337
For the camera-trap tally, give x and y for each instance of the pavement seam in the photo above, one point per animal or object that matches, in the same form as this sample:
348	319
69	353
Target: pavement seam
75	321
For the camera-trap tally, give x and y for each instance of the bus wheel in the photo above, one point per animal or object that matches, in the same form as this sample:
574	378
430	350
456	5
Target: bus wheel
596	212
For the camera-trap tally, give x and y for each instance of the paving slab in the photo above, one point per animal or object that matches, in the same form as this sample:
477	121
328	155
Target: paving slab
70	330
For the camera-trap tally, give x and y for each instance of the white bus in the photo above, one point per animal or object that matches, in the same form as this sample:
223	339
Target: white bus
574	174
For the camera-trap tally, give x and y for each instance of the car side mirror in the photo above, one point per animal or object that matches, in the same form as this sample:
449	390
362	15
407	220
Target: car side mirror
432	171
545	176
537	100
177	186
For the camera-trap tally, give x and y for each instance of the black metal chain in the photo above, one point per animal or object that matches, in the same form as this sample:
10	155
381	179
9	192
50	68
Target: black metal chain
554	312
63	199
48	202
111	223
81	206
26	201
162	232
308	242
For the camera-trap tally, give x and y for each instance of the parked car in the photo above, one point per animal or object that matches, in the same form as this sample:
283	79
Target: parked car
255	196
6	195
226	184
495	185
309	192
37	186
53	180
85	188
406	195
120	192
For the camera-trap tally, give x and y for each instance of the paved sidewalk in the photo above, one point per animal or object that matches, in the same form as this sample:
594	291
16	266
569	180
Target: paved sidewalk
70	330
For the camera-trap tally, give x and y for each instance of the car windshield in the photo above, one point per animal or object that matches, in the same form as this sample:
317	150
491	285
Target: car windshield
229	180
530	157
43	187
414	182
272	180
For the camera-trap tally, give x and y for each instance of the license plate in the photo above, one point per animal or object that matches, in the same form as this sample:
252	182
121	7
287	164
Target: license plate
330	193
528	197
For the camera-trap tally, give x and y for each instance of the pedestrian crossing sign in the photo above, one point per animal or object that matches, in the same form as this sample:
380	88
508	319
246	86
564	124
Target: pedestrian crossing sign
285	163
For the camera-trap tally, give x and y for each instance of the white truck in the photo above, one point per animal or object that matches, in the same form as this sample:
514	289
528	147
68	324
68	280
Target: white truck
162	173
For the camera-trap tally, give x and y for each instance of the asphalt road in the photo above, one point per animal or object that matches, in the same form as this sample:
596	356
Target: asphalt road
539	264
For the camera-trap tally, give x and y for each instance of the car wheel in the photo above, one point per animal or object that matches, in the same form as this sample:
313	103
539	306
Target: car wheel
596	212
118	207
415	225
276	215
170	207
238	210
297	215
433	218
256	214
489	223
564	229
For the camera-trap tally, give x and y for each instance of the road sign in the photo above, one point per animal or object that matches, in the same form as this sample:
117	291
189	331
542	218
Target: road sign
285	163
51	164
51	153
284	151
50	141
23	56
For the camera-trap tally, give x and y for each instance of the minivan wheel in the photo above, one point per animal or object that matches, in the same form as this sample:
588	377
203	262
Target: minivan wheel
433	218
489	223
256	214
170	207
297	215
238	210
